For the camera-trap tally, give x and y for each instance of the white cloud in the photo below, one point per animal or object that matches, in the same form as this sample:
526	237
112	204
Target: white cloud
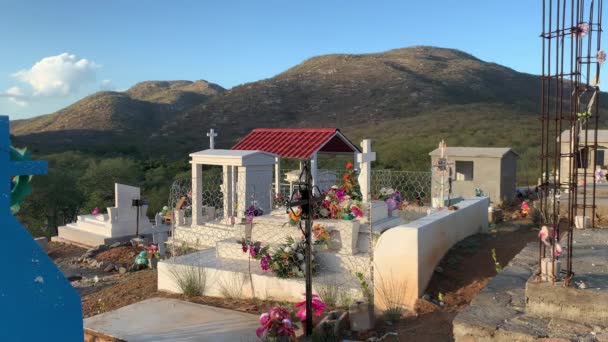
106	85
59	75
15	95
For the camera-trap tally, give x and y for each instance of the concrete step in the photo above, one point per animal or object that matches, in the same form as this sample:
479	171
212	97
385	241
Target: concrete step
80	236
230	277
99	229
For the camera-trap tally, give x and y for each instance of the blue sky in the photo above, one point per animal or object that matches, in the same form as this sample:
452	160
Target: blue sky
84	46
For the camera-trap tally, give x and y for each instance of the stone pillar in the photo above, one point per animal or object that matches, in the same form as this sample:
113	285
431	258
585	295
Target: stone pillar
242	193
365	160
235	190
197	194
313	169
277	177
227	188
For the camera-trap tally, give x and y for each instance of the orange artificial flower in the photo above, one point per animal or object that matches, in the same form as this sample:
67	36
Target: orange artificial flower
294	215
349	165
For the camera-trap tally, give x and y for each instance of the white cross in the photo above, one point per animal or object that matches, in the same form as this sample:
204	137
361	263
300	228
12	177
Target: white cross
211	136
365	160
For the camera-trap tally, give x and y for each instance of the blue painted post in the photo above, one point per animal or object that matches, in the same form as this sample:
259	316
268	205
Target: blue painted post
37	303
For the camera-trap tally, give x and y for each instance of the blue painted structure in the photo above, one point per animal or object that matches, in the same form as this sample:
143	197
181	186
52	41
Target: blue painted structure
37	303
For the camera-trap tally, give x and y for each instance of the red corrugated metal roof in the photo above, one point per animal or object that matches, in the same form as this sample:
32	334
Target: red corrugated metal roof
299	143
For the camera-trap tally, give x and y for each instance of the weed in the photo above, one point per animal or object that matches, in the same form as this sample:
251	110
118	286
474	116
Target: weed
496	263
391	294
192	281
232	287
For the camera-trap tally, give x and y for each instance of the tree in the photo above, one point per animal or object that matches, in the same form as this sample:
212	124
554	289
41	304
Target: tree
97	182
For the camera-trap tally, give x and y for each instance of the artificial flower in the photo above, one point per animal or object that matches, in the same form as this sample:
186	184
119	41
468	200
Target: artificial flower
601	56
356	211
95	211
318	307
349	165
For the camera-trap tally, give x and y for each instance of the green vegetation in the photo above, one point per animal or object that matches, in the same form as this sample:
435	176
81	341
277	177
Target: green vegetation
77	183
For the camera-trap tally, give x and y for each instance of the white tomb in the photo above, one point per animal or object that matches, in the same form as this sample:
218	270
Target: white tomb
121	221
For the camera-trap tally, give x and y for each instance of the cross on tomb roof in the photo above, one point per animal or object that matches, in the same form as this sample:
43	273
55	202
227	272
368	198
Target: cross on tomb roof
212	136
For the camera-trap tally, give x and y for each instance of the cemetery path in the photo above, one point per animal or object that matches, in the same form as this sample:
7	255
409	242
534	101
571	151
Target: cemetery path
463	272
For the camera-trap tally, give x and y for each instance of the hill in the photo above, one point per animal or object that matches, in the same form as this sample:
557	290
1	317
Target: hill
407	99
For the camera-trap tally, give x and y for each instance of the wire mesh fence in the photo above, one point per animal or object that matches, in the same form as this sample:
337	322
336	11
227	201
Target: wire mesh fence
236	233
414	186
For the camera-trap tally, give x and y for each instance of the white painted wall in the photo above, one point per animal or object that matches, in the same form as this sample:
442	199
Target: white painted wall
405	257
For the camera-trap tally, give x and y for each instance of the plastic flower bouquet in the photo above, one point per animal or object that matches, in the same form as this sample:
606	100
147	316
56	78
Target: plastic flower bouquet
344	201
287	260
278	324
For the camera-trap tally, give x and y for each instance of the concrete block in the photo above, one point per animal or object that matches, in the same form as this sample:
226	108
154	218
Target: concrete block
582	222
361	316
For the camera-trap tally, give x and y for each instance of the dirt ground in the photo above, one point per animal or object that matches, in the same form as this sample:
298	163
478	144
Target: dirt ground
465	270
462	273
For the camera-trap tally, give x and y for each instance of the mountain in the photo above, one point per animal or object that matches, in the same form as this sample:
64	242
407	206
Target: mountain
407	99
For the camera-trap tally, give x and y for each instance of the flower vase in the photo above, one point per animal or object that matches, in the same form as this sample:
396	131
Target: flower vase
348	217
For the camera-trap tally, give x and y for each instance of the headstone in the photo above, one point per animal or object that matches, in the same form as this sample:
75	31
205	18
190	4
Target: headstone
37	302
365	160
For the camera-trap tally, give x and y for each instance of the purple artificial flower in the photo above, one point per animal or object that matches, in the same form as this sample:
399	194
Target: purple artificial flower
340	195
601	56
391	204
265	263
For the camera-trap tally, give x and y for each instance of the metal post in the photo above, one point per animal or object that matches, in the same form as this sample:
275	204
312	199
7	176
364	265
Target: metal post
307	208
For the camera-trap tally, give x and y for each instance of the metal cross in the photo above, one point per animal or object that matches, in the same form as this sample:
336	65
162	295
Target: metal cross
212	136
307	201
10	168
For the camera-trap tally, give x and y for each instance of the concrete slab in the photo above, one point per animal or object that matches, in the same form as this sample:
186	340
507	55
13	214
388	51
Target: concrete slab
502	312
163	319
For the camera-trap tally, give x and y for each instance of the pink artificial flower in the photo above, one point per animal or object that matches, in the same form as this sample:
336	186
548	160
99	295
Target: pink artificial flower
153	248
544	235
557	251
279	313
318	306
95	211
356	211
581	30
601	56
264	263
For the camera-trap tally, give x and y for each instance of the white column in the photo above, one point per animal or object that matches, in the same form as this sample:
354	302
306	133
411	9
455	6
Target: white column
227	189
313	169
197	193
242	193
235	190
277	177
365	160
